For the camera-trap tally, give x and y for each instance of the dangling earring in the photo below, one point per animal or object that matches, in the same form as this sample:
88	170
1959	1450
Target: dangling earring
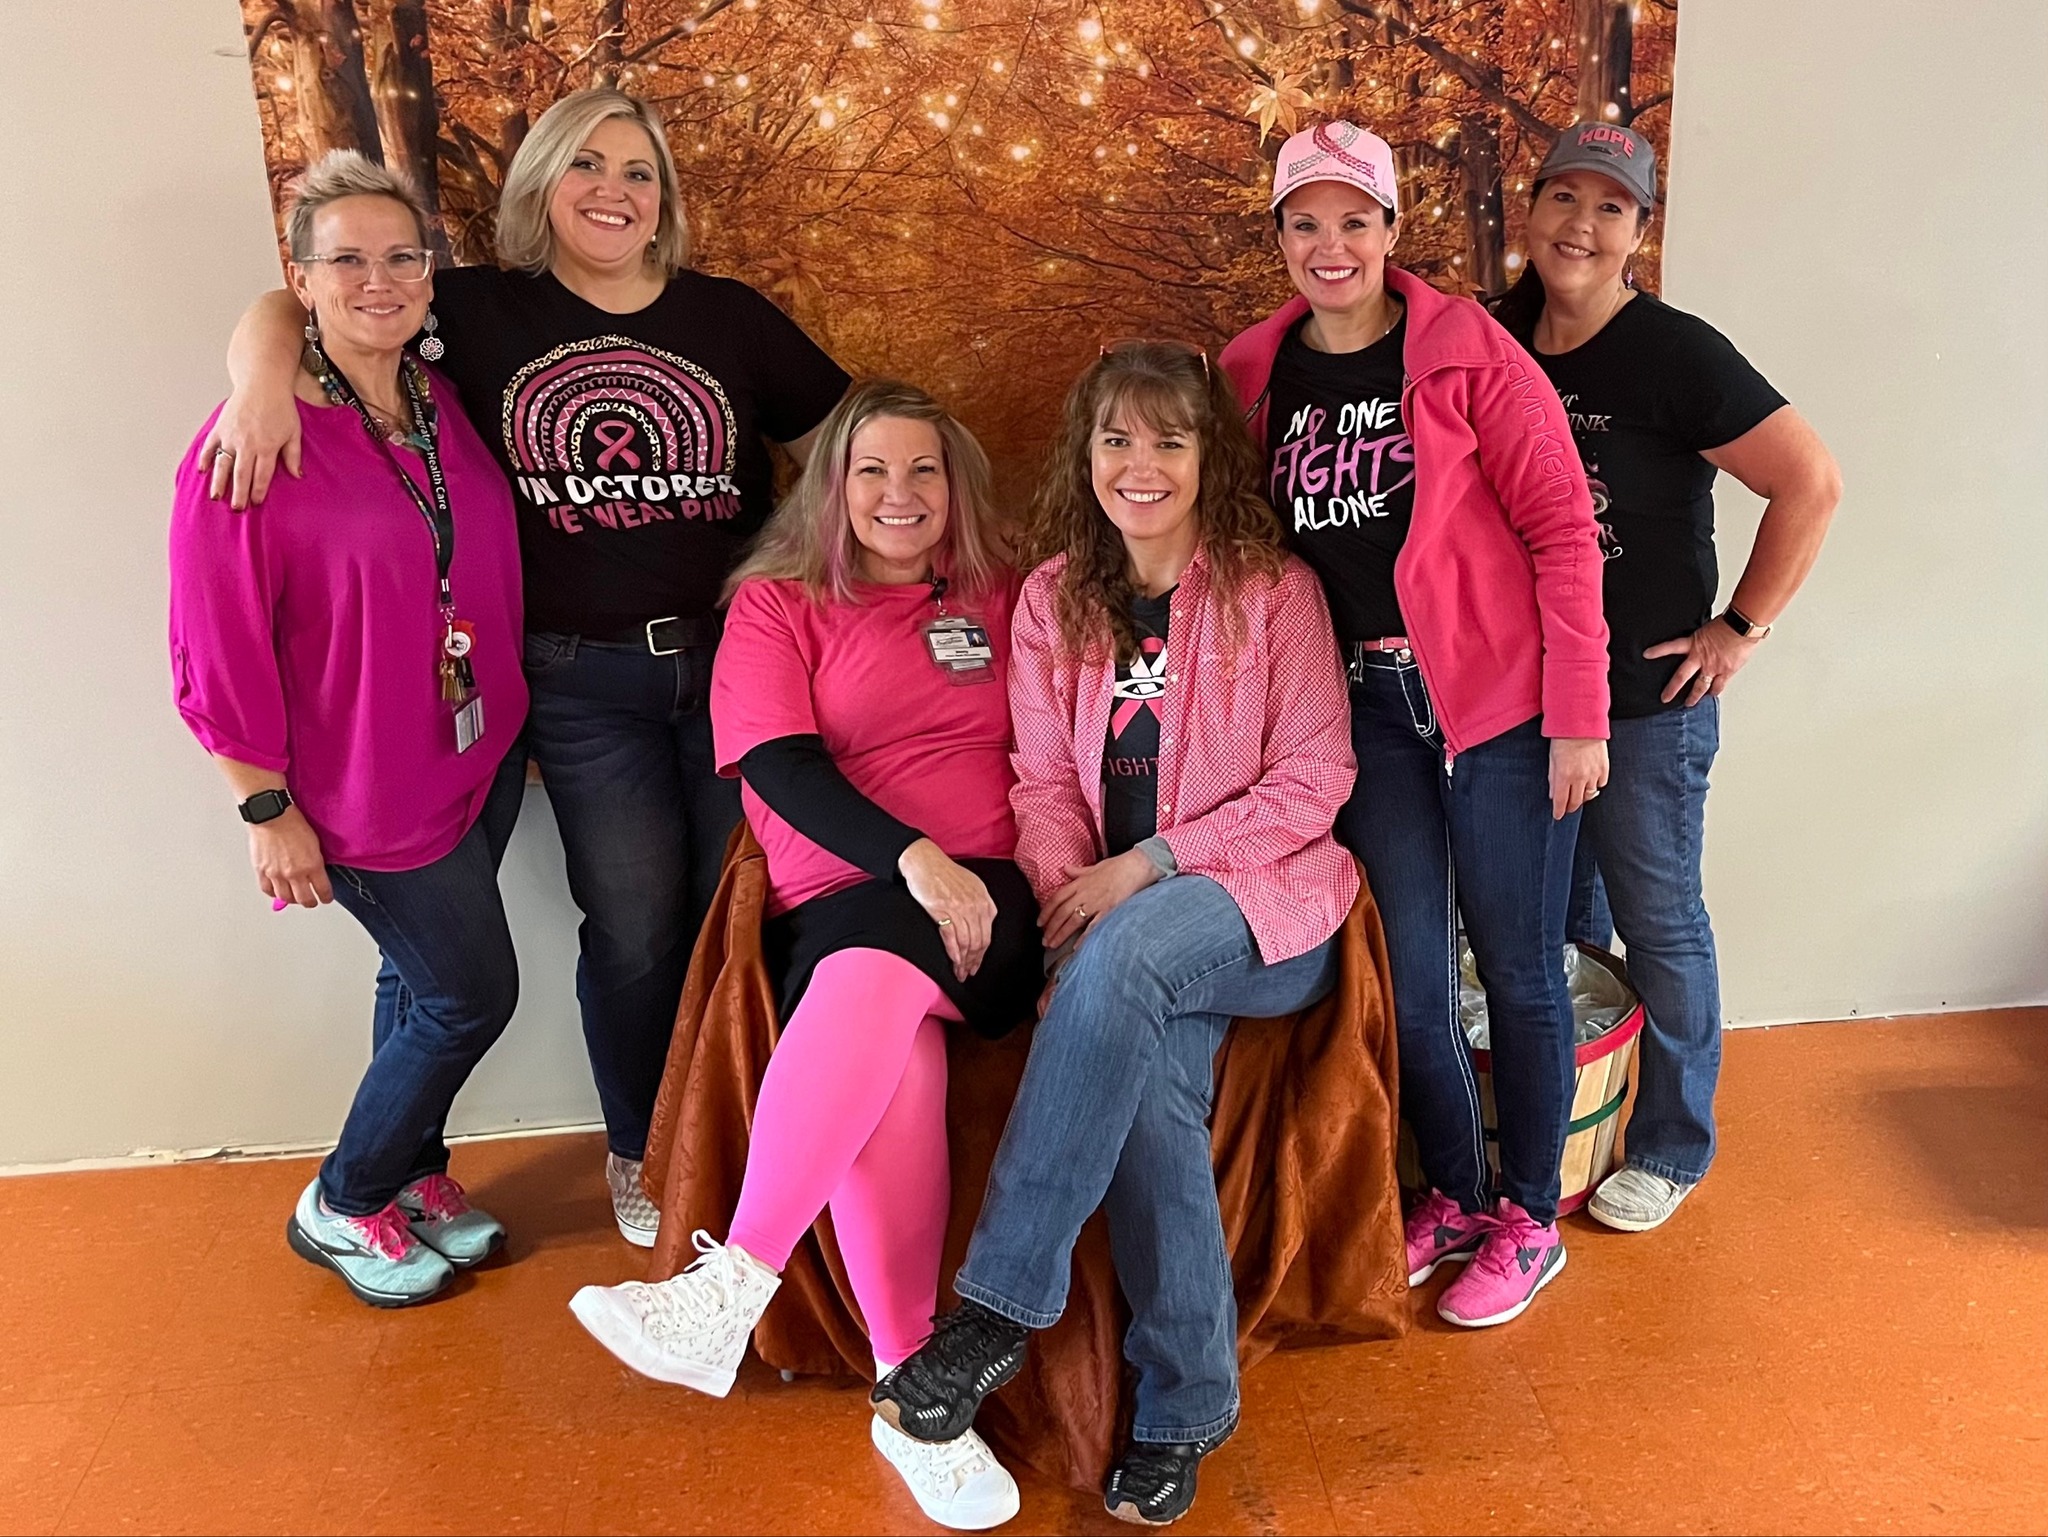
1628	276
432	348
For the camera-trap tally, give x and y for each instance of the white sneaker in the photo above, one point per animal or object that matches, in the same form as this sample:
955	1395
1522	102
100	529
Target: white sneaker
956	1483
639	1218
691	1329
1635	1200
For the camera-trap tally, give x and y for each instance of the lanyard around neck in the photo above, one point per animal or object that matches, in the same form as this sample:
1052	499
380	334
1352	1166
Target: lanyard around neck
439	514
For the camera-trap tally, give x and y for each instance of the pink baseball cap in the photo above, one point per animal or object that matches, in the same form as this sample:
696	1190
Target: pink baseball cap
1337	152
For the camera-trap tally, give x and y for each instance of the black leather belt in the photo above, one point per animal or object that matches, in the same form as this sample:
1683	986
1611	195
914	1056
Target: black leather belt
663	637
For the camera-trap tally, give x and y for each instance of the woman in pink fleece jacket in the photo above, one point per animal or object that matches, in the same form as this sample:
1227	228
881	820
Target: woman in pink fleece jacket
1422	465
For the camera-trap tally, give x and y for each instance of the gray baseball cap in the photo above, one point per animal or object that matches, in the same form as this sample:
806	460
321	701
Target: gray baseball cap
1620	154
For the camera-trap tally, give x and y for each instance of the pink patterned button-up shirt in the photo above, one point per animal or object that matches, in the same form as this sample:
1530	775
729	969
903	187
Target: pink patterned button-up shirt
1254	750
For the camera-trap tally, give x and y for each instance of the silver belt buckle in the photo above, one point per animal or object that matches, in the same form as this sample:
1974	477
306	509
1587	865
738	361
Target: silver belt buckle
651	646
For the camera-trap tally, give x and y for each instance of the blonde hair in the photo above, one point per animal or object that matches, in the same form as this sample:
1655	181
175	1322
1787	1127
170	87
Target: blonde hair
344	173
810	538
525	237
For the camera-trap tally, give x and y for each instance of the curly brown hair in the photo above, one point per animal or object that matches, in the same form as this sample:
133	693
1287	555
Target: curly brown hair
1168	387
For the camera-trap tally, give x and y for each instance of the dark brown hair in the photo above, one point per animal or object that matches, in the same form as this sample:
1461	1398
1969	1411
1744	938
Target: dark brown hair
1169	387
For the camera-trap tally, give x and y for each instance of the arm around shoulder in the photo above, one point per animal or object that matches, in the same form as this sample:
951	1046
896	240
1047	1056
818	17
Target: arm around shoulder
259	425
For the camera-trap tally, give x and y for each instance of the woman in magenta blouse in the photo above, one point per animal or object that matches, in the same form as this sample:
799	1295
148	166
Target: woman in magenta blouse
859	698
1182	749
349	654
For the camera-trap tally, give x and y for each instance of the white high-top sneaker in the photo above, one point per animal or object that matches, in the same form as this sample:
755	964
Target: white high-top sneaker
956	1483
691	1329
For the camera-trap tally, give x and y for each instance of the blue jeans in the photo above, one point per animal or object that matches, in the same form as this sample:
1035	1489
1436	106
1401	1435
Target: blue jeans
1476	839
1638	873
1113	1112
445	992
623	740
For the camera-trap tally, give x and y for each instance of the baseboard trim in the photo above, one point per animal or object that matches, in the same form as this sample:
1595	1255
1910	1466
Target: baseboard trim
158	1157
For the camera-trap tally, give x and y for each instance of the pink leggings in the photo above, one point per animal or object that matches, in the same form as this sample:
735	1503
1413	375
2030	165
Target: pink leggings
853	1112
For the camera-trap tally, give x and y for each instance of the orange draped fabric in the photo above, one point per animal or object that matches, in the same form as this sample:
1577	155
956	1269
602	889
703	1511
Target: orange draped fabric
1304	1140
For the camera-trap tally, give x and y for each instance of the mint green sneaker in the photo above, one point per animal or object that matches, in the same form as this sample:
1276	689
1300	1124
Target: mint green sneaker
437	1210
376	1255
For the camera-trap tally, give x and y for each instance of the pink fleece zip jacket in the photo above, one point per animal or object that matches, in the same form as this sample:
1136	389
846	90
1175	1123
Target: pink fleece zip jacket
1500	578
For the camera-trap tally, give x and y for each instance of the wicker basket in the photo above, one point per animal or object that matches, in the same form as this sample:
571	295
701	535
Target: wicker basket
1598	1098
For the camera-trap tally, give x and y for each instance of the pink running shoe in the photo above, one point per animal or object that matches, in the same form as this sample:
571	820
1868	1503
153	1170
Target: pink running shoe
1440	1232
1519	1258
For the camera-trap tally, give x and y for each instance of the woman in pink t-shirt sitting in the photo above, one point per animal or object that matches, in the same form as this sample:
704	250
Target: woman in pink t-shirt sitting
860	695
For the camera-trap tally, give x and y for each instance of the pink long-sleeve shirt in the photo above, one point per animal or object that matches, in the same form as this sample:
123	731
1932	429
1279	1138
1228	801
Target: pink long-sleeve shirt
305	633
1254	760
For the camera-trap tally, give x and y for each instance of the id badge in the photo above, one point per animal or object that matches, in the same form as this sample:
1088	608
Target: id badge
469	724
960	648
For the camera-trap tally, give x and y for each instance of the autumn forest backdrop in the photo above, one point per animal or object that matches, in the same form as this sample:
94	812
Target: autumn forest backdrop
975	193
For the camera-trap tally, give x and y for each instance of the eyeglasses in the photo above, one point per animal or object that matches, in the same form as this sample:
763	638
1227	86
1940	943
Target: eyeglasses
1199	354
405	265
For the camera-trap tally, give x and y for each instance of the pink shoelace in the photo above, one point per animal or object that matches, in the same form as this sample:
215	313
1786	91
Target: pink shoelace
385	1233
441	1198
1515	1231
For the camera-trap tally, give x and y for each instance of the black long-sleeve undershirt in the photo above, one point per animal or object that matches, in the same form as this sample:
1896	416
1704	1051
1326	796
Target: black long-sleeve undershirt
796	776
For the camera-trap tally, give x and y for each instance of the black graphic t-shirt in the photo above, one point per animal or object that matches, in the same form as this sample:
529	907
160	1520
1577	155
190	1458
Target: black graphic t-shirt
1340	471
1130	758
1645	396
634	443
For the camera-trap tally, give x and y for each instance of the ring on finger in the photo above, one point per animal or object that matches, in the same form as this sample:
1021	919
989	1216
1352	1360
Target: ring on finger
945	923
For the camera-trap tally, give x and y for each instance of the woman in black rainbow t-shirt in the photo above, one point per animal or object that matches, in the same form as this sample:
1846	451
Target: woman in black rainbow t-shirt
629	401
1660	402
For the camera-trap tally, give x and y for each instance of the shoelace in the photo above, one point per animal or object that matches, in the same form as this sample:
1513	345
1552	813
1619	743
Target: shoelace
440	1198
1149	1473
958	1340
952	1463
383	1233
1437	1210
1508	1239
705	1289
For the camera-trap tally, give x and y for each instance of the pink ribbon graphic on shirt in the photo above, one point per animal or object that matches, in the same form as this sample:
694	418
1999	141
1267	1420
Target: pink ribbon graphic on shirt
615	436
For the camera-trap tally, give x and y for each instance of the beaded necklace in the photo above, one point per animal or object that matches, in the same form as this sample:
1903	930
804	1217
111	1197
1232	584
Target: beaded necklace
415	438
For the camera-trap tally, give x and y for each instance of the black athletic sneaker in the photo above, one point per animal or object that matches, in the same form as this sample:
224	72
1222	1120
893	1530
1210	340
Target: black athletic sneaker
933	1395
1154	1484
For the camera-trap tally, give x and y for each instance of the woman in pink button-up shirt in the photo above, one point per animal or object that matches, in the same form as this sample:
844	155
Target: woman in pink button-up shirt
1183	746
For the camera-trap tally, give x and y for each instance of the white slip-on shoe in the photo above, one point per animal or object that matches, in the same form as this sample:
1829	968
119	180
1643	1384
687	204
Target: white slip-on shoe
1635	1200
956	1483
639	1219
691	1329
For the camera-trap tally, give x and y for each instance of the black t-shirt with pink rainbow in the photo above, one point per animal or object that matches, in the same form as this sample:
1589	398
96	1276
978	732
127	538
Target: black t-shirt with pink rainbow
636	444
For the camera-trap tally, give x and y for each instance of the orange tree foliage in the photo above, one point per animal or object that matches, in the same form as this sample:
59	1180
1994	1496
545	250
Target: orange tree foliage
976	193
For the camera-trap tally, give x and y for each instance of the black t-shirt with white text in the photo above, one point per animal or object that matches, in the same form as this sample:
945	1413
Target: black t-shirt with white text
1646	395
1340	471
1130	758
635	444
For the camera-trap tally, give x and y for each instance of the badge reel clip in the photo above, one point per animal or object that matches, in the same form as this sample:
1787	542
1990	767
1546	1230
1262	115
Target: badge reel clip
959	645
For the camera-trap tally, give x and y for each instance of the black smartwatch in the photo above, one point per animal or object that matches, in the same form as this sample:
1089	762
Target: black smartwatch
266	806
1743	625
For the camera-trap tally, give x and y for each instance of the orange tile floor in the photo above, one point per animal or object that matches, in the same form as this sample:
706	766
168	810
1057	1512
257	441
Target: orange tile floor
1843	1331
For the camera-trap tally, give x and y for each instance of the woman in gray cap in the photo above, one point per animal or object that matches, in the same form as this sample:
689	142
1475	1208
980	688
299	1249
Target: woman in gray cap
1660	402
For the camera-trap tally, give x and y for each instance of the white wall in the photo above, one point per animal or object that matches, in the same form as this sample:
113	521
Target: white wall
1879	836
1860	199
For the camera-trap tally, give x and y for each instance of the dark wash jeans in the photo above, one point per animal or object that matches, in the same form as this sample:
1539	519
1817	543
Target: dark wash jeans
623	740
1638	873
445	992
1113	1112
1477	840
